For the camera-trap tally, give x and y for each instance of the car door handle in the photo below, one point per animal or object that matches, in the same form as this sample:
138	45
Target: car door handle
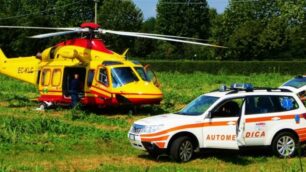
231	123
275	118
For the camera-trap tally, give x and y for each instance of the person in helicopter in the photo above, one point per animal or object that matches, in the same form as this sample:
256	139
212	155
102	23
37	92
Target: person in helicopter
75	89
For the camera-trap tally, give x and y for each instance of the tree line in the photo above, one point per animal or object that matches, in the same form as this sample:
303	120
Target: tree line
251	29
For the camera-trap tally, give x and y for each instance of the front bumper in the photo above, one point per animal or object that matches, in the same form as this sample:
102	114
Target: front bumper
135	141
149	146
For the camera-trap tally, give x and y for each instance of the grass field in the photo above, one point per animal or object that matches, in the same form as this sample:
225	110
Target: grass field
96	140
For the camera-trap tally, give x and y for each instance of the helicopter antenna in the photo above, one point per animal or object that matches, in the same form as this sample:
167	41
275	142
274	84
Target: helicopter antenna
96	11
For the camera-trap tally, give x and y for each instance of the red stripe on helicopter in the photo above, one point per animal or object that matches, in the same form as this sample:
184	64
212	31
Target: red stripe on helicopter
132	100
94	44
146	94
61	99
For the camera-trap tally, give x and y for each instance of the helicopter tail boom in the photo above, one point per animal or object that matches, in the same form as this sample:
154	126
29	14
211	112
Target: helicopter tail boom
21	68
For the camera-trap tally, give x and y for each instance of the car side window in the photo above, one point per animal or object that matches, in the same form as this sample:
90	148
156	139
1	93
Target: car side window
228	108
269	104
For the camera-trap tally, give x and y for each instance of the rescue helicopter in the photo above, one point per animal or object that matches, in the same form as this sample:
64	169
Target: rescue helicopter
108	78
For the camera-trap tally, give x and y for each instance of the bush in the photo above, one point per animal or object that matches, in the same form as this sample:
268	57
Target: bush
230	67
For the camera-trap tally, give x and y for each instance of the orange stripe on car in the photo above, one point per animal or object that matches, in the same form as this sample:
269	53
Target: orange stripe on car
162	138
221	123
302	138
189	126
160	144
270	118
301	131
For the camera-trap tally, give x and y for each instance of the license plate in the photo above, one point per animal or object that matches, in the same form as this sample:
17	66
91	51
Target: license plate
132	136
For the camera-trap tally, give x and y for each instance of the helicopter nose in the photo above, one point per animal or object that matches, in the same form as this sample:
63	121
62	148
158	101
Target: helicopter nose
142	93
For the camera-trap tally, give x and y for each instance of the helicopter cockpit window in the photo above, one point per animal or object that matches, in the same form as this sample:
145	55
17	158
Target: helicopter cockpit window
122	76
142	73
151	75
103	76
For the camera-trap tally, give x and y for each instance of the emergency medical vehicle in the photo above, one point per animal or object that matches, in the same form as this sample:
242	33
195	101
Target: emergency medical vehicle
298	86
226	119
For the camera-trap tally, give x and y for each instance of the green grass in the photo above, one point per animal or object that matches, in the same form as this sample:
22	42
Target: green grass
83	140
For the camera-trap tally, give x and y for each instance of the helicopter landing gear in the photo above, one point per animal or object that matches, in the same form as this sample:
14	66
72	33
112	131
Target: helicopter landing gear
44	105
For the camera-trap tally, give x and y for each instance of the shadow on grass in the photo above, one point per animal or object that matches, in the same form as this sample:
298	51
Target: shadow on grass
123	110
242	157
22	101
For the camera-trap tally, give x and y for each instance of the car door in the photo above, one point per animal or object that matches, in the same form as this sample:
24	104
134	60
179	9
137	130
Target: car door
221	127
265	114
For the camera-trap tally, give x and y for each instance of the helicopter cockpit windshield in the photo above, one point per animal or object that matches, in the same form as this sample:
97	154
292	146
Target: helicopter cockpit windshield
122	76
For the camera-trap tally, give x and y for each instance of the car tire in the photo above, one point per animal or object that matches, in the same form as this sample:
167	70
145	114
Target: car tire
182	149
285	144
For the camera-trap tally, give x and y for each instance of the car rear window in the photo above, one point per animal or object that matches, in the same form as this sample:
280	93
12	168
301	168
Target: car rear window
296	82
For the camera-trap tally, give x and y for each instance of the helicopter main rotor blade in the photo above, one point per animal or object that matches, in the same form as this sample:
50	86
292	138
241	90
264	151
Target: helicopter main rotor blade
46	35
158	35
150	36
40	28
165	36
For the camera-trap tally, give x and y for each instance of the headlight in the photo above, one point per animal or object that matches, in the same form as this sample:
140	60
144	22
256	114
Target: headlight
139	129
152	128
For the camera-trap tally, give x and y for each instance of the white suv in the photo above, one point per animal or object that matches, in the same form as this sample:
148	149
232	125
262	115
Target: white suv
298	86
226	119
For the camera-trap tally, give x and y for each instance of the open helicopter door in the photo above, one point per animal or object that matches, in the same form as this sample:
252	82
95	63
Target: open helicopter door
100	85
69	74
151	75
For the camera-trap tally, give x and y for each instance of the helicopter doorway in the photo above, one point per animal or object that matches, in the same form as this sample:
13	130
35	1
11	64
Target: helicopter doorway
69	73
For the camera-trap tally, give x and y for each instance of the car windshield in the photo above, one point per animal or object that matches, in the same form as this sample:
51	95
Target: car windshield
122	76
296	82
198	106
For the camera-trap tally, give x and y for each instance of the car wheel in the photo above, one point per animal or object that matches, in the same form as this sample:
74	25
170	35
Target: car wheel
285	144
182	149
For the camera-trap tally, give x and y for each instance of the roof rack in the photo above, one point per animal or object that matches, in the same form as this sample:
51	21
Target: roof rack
269	89
272	89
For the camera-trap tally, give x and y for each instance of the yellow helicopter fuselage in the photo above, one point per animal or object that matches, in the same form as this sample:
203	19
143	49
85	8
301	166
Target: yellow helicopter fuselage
107	78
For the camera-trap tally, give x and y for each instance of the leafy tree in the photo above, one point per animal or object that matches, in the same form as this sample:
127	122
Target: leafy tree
120	15
261	29
145	47
48	13
183	18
